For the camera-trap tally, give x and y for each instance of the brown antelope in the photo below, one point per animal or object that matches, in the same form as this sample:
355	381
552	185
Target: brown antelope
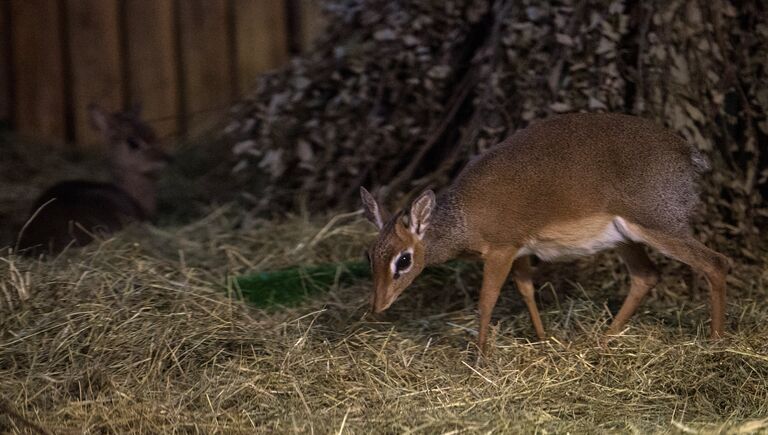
73	212
567	186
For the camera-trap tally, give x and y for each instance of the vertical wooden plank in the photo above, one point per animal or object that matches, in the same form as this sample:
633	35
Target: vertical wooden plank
311	22
5	63
94	49
205	54
39	100
261	39
152	78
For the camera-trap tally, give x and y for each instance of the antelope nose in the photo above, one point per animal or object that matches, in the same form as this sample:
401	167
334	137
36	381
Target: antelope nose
381	302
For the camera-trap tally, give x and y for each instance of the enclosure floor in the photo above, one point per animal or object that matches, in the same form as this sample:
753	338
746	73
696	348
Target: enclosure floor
141	333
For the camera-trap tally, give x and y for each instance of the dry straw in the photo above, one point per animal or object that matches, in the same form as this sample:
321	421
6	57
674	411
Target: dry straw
142	333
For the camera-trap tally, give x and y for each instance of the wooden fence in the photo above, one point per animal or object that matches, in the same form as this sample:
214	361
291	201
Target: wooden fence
182	60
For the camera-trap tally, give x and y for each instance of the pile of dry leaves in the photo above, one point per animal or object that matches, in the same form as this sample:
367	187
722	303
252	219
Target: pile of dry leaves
399	94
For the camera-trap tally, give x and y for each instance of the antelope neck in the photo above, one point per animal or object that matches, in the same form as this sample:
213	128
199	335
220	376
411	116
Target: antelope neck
140	187
446	236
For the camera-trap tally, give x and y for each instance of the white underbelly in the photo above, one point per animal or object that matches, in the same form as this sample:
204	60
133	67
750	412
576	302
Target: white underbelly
577	238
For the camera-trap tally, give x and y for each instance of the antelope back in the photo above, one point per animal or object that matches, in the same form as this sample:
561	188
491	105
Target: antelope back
572	168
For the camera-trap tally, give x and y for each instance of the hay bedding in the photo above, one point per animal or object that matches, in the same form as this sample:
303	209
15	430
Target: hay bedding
145	333
141	333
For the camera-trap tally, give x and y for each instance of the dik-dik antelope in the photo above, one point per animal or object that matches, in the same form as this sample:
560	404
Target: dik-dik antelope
73	212
566	186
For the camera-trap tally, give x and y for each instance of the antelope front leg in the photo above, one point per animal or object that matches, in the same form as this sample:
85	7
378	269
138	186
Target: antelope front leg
495	271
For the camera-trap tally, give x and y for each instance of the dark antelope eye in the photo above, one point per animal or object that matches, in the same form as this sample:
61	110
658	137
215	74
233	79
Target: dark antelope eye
132	143
403	262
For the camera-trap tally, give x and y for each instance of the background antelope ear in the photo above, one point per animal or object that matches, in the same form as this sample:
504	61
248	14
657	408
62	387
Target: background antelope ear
421	211
100	119
372	210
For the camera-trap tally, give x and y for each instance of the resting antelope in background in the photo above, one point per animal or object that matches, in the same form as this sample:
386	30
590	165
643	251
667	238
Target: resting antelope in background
73	212
567	186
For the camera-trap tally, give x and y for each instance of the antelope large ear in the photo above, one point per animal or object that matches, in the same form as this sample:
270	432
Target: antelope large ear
421	212
100	119
372	210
